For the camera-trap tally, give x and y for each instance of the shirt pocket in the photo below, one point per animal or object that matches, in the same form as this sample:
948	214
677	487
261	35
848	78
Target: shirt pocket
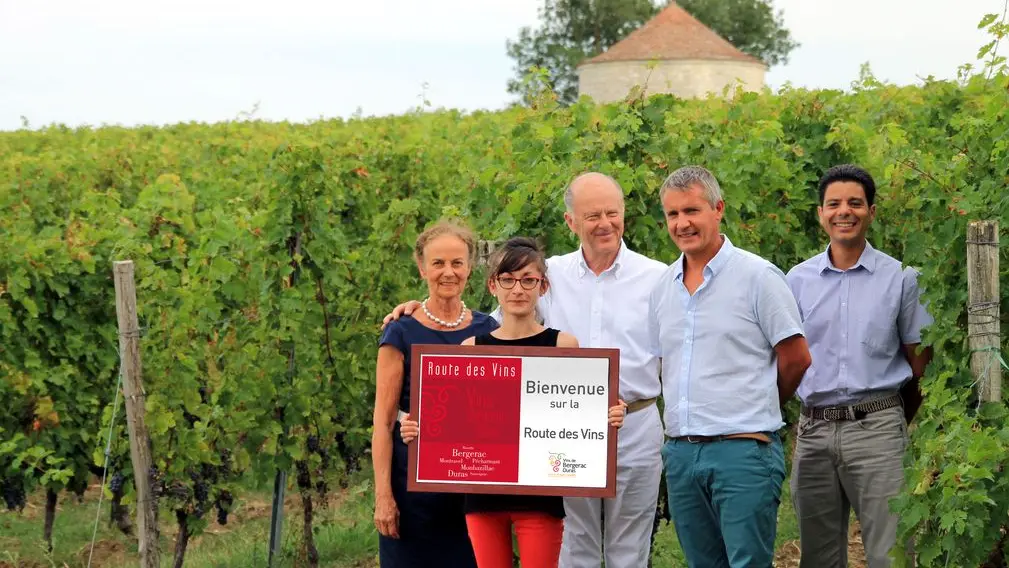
879	335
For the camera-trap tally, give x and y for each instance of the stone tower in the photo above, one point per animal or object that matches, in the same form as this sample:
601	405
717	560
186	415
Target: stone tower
691	61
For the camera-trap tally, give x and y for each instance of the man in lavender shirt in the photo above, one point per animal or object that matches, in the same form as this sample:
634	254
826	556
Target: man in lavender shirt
863	318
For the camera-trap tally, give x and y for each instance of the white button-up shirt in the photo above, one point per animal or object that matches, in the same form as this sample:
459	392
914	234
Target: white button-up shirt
608	311
719	367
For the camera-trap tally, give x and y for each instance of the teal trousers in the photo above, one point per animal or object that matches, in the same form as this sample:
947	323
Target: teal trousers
724	498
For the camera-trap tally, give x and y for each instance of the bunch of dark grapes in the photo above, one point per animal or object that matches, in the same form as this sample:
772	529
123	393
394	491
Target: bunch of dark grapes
304	481
209	473
116	483
223	503
201	489
349	457
13	493
313	443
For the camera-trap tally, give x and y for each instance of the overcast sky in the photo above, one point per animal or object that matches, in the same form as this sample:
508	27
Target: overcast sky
162	61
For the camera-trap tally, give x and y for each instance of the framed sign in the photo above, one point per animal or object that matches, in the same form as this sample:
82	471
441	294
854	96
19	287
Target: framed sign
513	420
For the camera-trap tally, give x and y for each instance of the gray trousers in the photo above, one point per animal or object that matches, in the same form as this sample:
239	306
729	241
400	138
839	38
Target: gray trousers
623	539
844	464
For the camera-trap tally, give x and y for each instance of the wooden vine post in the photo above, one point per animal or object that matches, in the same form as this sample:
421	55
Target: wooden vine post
983	308
133	392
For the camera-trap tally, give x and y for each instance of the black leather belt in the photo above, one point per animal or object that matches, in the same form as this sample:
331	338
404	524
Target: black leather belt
758	436
851	411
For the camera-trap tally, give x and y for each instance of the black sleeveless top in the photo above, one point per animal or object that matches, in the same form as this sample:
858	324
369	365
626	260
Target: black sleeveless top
484	503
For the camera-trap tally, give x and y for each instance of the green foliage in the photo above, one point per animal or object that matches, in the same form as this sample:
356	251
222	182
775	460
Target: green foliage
266	256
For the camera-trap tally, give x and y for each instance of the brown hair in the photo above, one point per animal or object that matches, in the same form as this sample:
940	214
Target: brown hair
446	227
514	255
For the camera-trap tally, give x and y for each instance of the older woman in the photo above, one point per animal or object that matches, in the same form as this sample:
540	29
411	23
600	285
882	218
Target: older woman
419	530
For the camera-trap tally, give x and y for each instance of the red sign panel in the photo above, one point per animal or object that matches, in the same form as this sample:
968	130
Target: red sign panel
469	417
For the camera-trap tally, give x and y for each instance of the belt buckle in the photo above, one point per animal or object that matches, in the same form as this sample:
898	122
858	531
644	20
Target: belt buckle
694	439
832	413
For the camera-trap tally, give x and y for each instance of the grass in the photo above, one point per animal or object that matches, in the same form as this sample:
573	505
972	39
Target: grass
344	535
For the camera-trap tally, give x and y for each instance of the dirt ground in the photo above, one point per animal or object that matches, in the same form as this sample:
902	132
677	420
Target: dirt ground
788	555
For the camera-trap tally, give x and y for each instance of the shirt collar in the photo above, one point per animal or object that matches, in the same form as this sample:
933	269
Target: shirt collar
717	262
583	267
866	260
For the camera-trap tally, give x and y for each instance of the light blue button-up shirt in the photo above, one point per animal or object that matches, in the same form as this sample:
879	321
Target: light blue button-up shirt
719	367
856	321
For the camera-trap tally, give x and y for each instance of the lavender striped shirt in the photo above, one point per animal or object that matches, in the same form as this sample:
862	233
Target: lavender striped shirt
855	322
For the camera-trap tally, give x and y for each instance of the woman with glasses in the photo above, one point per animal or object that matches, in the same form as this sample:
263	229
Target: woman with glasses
517	279
422	530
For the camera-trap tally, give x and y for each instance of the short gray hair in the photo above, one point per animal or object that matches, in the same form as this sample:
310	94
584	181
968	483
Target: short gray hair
688	177
569	192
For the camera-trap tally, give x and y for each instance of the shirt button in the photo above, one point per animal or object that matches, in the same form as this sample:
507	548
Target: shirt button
683	399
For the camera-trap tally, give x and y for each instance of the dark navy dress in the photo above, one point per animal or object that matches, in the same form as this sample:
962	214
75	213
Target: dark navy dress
432	526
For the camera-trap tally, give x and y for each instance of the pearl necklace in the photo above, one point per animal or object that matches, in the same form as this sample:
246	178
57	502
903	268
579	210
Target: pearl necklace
456	323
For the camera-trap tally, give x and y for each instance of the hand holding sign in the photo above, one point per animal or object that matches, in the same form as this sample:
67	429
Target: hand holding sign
617	414
408	429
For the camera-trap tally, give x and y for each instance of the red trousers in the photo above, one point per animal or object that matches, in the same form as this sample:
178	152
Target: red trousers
539	538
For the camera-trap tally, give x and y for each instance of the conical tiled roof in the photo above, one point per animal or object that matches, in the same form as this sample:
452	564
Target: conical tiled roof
672	34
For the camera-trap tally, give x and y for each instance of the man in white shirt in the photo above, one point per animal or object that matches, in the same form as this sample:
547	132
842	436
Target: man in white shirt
599	293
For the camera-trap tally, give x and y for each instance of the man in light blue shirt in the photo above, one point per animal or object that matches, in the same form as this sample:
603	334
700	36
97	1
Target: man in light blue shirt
863	316
728	330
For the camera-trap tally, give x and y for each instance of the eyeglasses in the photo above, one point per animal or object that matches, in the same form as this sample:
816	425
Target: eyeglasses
528	283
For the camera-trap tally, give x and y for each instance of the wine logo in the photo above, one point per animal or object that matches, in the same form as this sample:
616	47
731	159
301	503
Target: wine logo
563	466
555	462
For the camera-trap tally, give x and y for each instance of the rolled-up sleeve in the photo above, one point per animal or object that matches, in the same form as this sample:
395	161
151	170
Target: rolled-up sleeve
913	316
777	311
